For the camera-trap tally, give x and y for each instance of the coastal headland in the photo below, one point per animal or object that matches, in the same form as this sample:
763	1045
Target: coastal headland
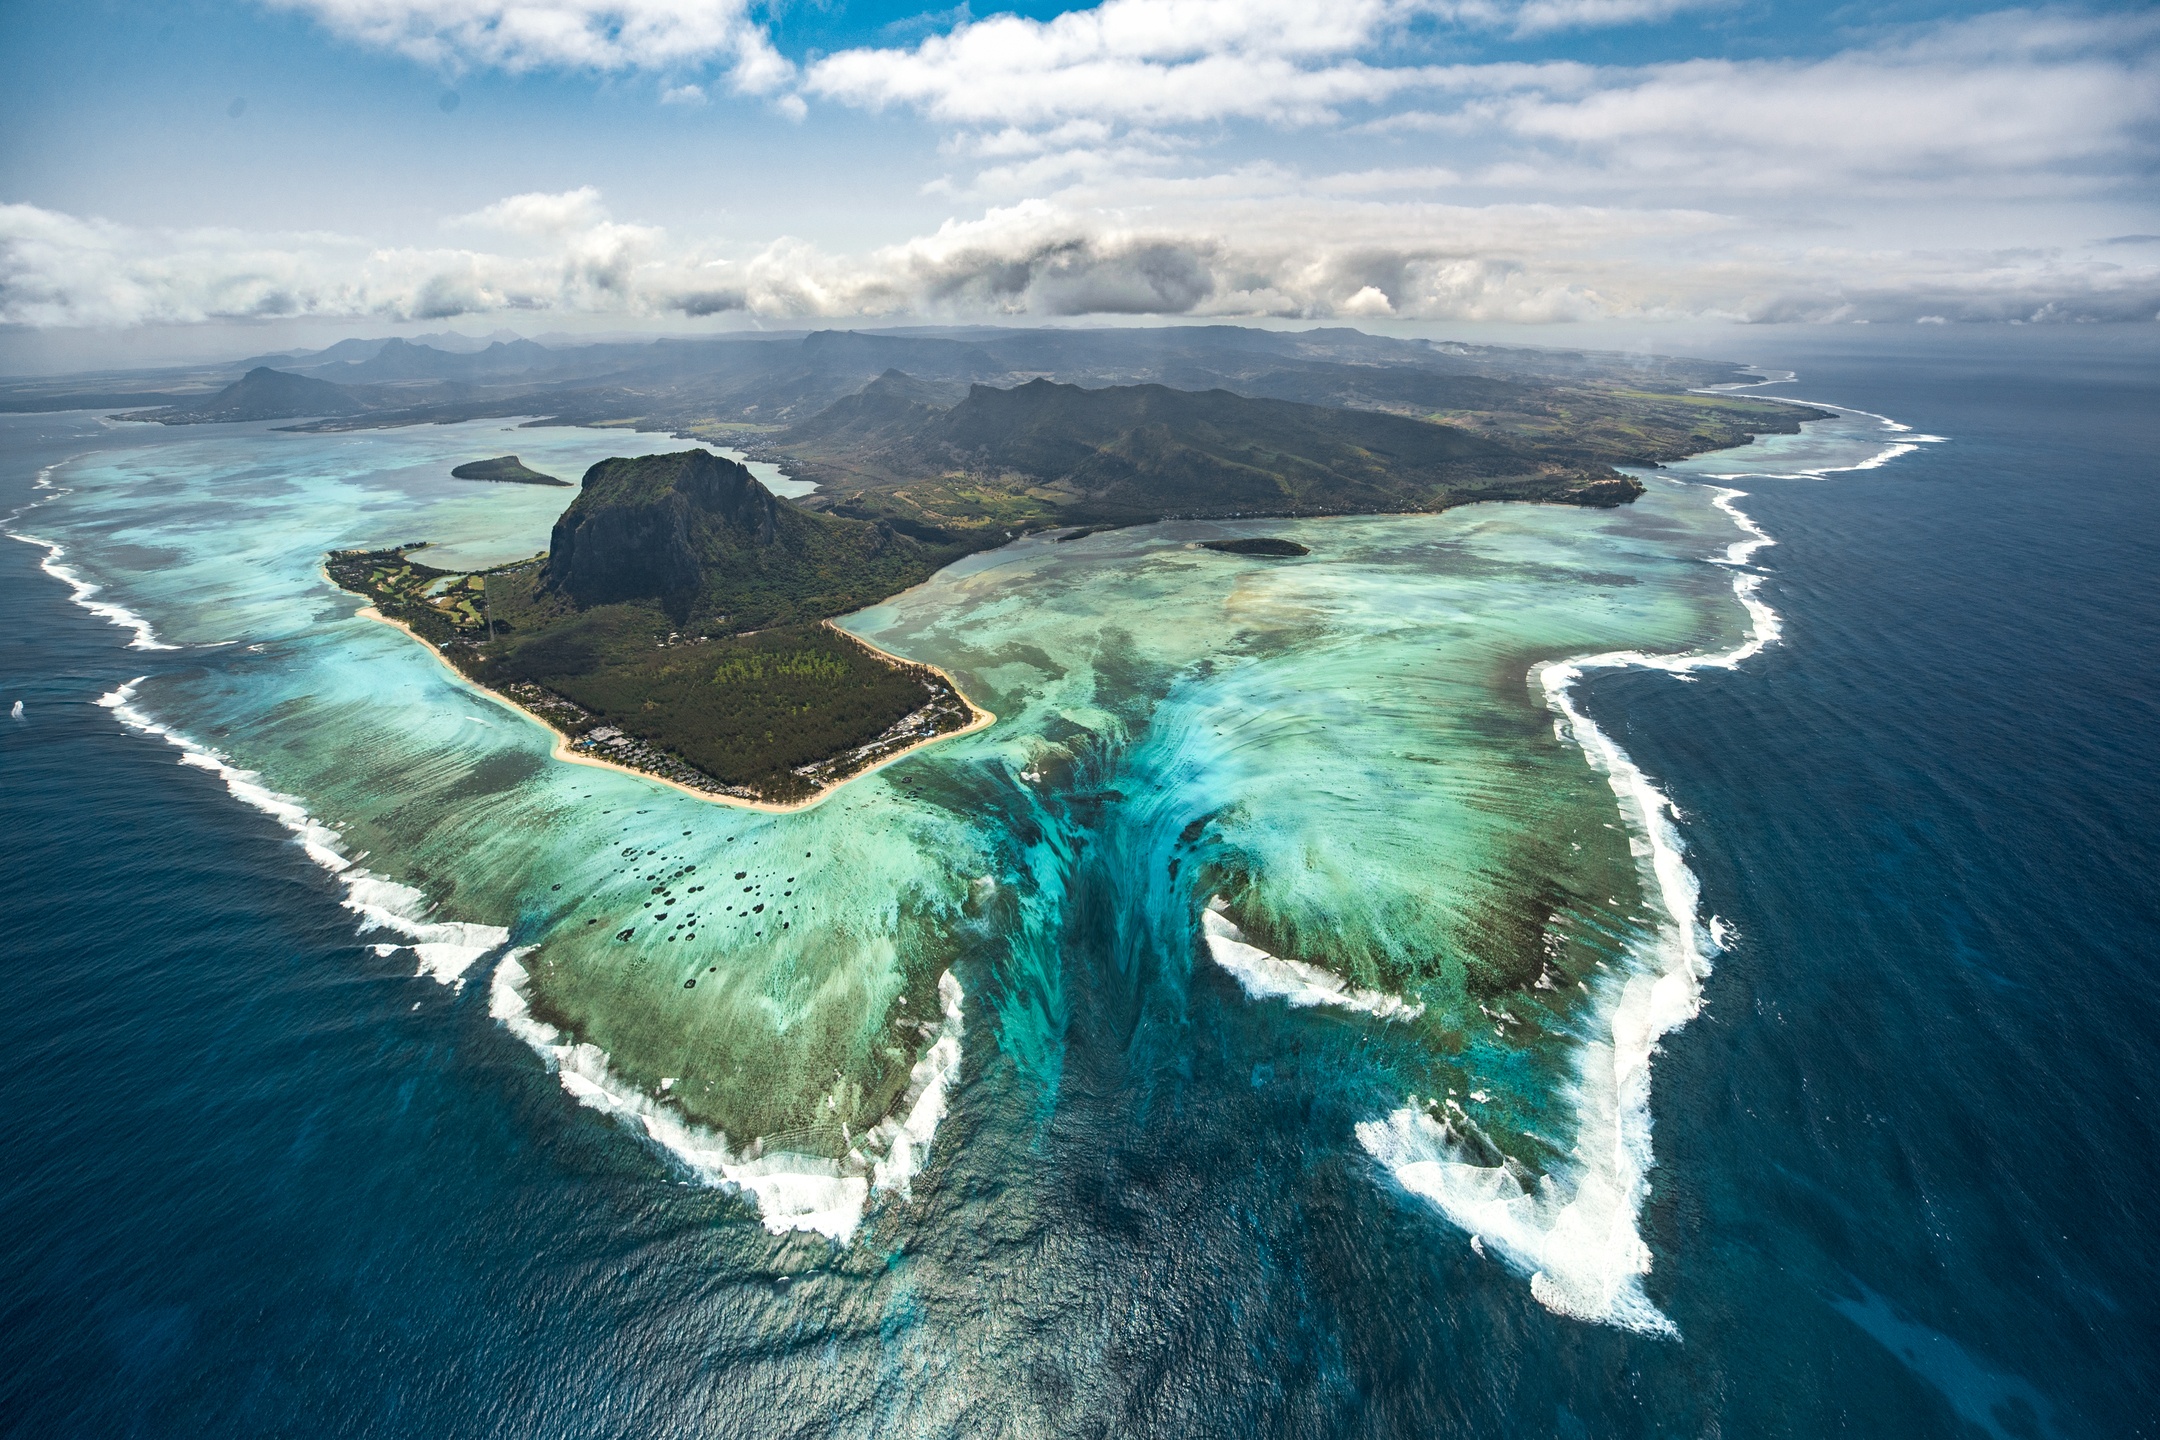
678	626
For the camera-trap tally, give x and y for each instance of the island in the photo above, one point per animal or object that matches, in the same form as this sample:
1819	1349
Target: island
1257	545
840	405
1043	454
678	626
504	469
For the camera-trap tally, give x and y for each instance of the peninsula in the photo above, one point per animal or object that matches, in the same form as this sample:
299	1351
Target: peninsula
677	627
679	622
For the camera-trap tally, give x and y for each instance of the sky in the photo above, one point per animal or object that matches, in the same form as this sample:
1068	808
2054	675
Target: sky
197	175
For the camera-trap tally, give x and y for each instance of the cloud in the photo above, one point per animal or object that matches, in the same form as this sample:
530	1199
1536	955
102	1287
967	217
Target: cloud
1145	62
1184	62
2042	101
522	35
2017	102
538	213
1543	16
1539	17
1257	245
63	271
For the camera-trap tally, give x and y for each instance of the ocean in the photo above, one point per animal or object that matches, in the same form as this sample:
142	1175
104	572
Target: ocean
273	1172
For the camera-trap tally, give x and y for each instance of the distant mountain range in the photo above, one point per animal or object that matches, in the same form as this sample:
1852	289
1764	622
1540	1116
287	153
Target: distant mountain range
1062	454
679	603
943	432
262	394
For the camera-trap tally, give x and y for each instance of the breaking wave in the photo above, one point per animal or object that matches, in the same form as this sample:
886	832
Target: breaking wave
1577	1239
792	1191
84	592
445	949
1269	977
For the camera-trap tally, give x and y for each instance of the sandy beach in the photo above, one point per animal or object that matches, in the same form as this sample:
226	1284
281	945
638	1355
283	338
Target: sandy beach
982	719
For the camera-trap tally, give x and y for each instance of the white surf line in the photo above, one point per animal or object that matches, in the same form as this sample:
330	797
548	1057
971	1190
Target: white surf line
792	1191
1742	551
1581	1248
83	591
445	949
1880	458
1268	977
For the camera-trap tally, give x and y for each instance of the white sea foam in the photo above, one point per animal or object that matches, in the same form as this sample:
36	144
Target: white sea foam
1266	977
792	1192
1905	445
1576	1237
1742	551
84	592
446	949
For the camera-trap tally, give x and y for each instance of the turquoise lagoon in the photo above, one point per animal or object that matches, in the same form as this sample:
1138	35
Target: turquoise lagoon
1353	786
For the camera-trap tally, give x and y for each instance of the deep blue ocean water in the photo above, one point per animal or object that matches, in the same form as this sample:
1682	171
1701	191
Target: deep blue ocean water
260	1181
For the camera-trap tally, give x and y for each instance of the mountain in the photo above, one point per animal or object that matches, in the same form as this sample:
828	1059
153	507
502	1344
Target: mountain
1049	453
344	350
261	394
457	344
700	537
673	624
405	360
894	405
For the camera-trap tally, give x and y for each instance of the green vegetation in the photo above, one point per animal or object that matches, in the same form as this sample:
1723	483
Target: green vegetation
1257	545
506	469
673	627
772	716
1044	454
440	606
1617	424
261	394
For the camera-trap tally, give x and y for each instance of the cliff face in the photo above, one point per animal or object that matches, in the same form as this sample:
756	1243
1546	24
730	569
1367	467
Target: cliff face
637	528
700	536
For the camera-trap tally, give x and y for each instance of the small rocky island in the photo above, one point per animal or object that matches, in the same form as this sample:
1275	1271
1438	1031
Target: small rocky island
1257	545
505	469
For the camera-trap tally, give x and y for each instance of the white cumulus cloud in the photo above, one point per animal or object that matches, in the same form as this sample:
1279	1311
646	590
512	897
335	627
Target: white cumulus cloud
1147	62
1257	245
539	213
2046	102
519	35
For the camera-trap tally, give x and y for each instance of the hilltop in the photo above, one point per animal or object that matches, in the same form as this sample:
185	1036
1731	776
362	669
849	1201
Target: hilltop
1576	409
505	470
673	627
1050	454
261	394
